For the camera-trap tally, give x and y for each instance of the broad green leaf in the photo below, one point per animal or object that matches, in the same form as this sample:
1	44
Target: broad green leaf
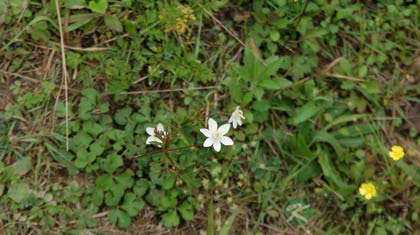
21	167
275	83
112	162
113	23
187	211
170	181
119	217
75	4
98	6
122	115
308	171
322	136
228	224
132	205
125	180
19	192
170	219
104	182
305	112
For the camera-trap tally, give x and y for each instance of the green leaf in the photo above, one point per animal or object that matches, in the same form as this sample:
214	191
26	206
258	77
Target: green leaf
75	4
275	84
112	162
132	205
170	219
122	115
322	136
210	219
119	217
308	171
169	182
187	211
114	195
21	167
104	182
332	176
19	192
305	112
113	23
125	180
228	224
141	187
99	6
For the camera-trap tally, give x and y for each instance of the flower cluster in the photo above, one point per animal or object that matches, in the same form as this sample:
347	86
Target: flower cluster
216	136
186	16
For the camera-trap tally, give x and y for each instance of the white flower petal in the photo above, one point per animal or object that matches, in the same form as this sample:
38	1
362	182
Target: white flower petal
231	119
239	122
153	139
217	146
226	140
205	132
237	108
150	131
234	124
209	142
160	127
224	129
212	124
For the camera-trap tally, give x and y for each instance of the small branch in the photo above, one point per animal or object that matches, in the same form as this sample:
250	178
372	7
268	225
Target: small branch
63	62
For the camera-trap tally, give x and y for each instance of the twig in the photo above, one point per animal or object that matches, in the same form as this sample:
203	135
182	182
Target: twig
167	90
63	62
20	76
334	75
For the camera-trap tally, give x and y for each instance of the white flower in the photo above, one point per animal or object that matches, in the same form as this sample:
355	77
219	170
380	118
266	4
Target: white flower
236	117
216	136
152	132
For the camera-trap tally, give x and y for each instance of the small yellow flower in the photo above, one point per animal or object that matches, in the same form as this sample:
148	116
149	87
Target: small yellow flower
367	190
396	153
